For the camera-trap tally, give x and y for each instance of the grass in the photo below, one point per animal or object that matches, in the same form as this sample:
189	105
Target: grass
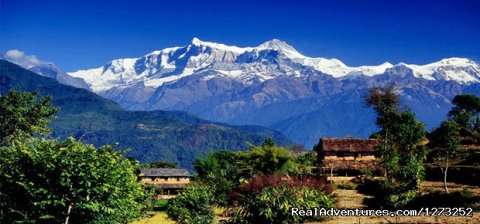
161	205
155	218
161	217
346	185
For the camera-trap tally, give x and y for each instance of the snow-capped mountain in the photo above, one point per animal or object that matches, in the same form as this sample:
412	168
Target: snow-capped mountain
253	64
276	86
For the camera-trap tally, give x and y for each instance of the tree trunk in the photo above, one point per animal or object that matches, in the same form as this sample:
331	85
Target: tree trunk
70	206
445	176
68	213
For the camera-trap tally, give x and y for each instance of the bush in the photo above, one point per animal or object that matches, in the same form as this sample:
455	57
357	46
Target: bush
463	198
47	181
386	194
192	206
269	199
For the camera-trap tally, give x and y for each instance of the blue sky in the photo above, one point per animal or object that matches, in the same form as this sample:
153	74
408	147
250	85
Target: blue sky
86	34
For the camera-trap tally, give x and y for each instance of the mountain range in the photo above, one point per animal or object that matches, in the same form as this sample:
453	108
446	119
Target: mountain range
148	135
276	86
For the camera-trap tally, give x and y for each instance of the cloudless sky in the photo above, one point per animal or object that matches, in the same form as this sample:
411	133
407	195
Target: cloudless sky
86	34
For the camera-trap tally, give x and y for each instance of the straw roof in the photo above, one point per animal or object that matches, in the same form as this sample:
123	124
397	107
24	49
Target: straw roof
164	172
348	144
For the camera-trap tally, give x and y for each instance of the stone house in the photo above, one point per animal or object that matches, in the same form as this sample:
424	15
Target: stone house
169	180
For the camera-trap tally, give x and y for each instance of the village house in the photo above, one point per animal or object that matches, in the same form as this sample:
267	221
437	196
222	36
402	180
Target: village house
354	154
169	180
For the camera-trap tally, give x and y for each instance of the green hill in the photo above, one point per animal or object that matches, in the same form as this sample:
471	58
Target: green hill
154	135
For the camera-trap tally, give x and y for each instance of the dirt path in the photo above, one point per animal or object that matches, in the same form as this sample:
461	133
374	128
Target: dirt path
353	199
350	199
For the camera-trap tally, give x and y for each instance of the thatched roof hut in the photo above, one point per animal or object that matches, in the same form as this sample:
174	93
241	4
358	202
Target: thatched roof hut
347	153
348	144
164	172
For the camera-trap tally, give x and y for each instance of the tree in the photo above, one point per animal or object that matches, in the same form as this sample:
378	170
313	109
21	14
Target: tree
160	164
268	142
192	206
445	141
401	151
266	159
218	170
47	181
22	115
466	111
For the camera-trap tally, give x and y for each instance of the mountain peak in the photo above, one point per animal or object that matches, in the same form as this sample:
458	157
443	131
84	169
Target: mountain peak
456	61
235	49
196	41
278	45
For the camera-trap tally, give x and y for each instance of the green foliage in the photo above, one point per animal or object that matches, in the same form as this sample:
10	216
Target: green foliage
266	159
401	151
307	159
400	199
268	142
347	185
150	135
22	115
225	170
445	139
192	206
445	143
42	179
273	204
218	170
466	111
159	164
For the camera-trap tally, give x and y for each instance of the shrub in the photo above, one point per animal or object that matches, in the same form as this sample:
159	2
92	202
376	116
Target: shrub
218	171
387	194
463	198
269	199
47	181
192	206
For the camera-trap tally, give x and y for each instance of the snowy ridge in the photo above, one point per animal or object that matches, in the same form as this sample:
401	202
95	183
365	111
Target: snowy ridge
253	64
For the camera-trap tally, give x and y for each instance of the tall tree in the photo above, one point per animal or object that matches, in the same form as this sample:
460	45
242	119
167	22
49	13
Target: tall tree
22	115
401	151
445	142
218	170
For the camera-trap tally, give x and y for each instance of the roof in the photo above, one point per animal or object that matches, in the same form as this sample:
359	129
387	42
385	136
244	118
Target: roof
164	172
348	144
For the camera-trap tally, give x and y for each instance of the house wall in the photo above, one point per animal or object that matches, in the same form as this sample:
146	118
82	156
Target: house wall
330	157
349	156
169	180
366	157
